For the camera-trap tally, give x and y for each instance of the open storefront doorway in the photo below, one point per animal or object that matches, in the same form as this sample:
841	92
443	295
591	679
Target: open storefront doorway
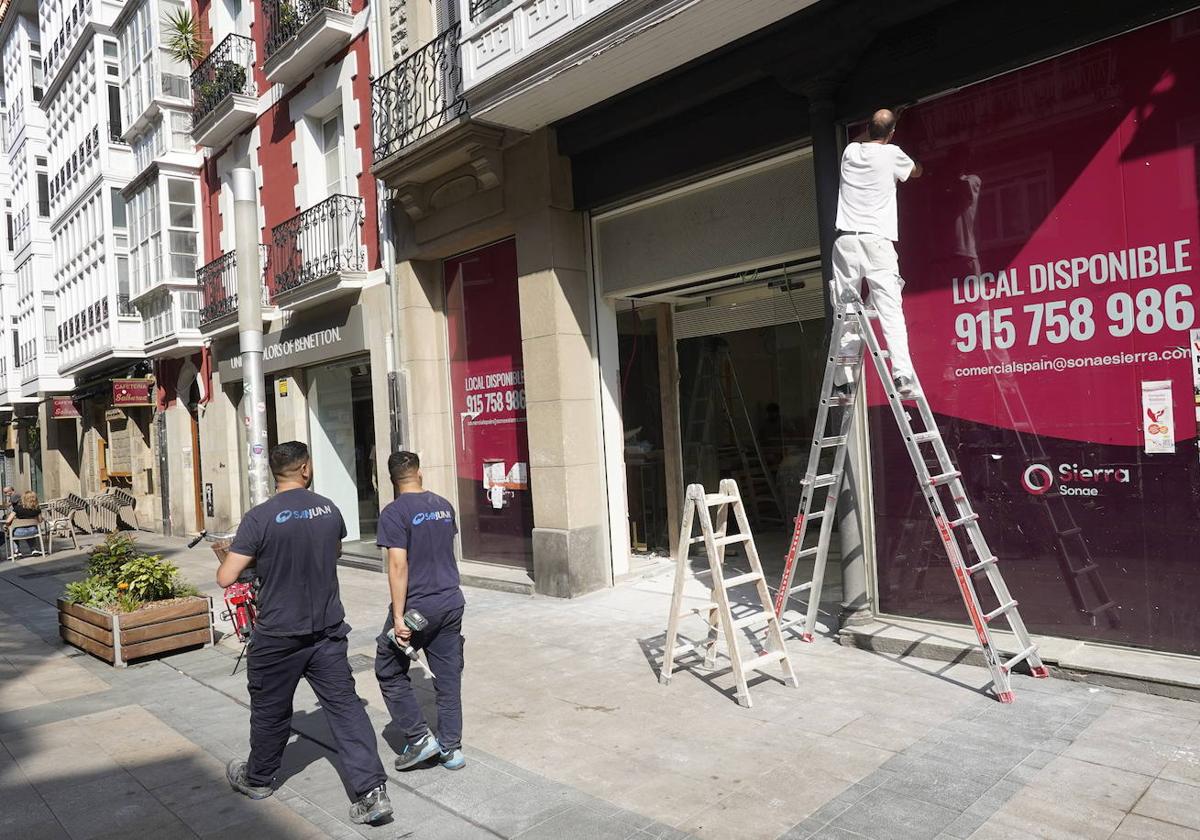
749	375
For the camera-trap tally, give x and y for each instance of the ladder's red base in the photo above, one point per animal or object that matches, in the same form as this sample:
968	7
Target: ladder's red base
806	637
1006	696
1041	673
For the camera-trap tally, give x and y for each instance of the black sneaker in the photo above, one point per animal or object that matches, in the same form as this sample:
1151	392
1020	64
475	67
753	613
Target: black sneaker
372	807
418	752
235	771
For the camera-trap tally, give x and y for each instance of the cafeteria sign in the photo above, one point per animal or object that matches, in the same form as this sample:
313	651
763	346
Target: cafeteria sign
63	408
132	392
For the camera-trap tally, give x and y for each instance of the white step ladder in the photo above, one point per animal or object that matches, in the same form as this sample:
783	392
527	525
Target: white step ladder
938	482
718	613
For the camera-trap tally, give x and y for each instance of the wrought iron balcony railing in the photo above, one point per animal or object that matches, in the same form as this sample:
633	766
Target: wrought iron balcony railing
480	9
227	70
219	286
419	95
322	241
284	18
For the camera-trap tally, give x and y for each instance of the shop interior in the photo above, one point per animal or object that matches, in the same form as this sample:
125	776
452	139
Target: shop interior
749	353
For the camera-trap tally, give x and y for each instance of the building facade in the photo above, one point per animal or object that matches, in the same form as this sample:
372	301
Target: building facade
601	216
285	92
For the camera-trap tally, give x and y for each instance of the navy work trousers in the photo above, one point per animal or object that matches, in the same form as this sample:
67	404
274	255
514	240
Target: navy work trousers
276	664
442	642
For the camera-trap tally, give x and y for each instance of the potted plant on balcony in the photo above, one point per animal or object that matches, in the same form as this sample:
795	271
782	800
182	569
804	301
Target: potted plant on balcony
131	605
183	40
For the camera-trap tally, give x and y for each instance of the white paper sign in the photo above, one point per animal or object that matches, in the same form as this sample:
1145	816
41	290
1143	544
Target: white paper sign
1195	345
1158	420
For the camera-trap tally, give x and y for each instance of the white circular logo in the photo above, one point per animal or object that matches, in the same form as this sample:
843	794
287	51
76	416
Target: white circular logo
1037	479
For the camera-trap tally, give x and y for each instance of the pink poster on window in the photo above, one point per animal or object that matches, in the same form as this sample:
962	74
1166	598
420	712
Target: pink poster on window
1051	255
488	395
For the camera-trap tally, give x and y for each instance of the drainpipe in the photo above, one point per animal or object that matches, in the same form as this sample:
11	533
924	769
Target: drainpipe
856	605
250	334
381	62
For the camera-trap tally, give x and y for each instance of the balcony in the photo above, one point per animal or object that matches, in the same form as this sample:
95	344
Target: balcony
530	63
418	96
219	293
318	254
224	96
302	34
424	137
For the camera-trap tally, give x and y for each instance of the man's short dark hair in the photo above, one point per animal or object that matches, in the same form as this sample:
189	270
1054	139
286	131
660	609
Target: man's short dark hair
402	465
882	124
288	457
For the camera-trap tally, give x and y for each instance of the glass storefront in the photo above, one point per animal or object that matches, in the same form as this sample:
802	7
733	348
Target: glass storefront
488	406
1051	254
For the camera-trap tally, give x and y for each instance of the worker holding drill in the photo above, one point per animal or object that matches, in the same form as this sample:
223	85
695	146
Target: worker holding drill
418	530
865	247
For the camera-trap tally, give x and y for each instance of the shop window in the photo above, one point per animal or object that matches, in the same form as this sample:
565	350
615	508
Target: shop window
488	392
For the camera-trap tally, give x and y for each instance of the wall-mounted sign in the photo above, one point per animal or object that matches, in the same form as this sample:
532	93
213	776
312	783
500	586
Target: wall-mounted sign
114	415
283	387
133	392
320	337
63	408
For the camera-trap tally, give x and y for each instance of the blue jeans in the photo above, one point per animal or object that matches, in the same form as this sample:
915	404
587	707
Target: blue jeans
442	642
21	535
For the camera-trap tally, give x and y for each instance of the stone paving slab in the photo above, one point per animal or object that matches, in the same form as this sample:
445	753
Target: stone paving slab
569	735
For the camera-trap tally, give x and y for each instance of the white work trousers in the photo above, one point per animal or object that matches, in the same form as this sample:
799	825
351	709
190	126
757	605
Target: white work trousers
859	256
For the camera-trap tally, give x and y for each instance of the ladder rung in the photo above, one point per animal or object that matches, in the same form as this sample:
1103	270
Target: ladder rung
1070	532
808	552
982	564
753	618
760	662
1020	657
682	649
720	539
738	580
1103	607
803	587
945	478
1088	569
925	437
698	610
835	440
969	518
1000	610
714	499
825	480
820	514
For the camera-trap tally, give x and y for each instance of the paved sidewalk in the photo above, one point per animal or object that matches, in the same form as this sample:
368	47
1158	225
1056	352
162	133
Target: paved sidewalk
570	735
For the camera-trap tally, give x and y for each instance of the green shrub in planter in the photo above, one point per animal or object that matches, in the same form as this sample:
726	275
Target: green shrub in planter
121	578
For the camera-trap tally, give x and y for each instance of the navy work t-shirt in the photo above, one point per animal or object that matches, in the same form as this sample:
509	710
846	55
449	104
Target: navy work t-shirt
296	539
423	523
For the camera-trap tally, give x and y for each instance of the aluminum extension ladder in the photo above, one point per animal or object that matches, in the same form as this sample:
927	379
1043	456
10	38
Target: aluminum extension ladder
858	317
719	613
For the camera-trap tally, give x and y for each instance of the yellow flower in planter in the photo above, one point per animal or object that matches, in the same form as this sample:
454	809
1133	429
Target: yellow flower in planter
122	586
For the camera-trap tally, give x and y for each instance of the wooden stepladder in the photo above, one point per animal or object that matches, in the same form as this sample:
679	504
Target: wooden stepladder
719	612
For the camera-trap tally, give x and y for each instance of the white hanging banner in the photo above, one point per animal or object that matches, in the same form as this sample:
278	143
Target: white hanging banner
1158	421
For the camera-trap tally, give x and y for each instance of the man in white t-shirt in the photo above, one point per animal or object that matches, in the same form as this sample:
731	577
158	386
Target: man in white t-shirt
865	250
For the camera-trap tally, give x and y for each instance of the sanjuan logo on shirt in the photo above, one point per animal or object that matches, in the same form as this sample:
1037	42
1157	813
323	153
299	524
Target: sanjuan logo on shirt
310	513
432	516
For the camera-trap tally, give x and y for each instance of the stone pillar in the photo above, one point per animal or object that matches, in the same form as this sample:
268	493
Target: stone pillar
425	370
856	605
570	534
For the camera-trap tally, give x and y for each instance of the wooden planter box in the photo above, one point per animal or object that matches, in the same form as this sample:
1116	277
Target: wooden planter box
154	629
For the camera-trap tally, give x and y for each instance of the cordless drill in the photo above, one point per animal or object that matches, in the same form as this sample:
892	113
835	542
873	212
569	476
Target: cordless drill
415	622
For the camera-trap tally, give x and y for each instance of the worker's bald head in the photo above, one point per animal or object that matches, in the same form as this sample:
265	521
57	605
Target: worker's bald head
883	123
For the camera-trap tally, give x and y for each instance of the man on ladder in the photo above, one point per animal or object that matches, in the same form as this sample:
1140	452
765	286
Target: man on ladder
867	226
867	229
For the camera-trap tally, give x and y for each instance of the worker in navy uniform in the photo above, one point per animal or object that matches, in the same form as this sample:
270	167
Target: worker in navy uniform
294	541
418	530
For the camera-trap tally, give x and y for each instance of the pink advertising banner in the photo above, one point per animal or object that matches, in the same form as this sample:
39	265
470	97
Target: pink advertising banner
1051	255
